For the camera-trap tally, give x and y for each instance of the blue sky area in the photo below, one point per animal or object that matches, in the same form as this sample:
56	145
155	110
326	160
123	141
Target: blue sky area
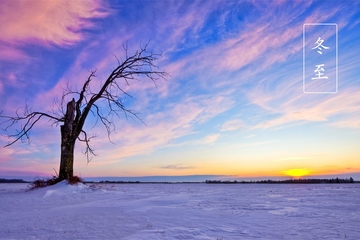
234	103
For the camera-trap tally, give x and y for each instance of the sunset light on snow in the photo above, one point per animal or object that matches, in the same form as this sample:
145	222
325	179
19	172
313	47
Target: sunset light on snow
233	106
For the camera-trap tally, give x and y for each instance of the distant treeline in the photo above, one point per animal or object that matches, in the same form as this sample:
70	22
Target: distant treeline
115	181
3	180
134	182
332	180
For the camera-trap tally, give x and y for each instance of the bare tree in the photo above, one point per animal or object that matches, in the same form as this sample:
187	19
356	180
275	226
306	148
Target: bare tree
72	119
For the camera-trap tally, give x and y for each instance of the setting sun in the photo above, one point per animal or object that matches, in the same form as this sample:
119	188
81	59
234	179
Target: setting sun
298	172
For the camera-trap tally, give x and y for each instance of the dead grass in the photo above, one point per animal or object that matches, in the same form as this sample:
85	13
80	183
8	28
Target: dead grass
40	183
74	180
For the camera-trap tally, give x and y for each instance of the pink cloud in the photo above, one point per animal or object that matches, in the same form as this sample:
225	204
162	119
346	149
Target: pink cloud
177	25
8	52
313	108
161	128
54	22
256	44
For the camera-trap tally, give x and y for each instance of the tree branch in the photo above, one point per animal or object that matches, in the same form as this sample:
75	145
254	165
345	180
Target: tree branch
88	151
30	118
140	64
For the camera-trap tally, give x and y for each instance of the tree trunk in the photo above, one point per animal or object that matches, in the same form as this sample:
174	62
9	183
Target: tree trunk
66	159
67	143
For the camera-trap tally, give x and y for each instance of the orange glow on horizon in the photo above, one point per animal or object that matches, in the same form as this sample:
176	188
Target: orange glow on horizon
297	172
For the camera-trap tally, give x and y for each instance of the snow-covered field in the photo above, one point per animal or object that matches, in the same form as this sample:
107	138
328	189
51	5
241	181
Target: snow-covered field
181	211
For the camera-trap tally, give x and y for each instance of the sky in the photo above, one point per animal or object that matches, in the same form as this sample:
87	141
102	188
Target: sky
239	100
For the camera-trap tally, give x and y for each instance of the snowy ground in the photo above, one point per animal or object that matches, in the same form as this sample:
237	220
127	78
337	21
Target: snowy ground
181	211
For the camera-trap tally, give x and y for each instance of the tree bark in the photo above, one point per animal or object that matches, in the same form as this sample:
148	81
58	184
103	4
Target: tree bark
67	143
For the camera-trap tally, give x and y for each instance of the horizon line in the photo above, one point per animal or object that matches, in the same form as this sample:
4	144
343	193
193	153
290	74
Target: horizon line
192	178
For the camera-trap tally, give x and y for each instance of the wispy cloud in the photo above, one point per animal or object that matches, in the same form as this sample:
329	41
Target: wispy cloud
250	136
252	144
50	22
208	139
233	66
30	30
178	166
9	52
232	125
298	158
310	108
348	122
161	130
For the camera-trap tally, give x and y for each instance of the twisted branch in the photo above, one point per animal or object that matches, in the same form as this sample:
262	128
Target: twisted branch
139	64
